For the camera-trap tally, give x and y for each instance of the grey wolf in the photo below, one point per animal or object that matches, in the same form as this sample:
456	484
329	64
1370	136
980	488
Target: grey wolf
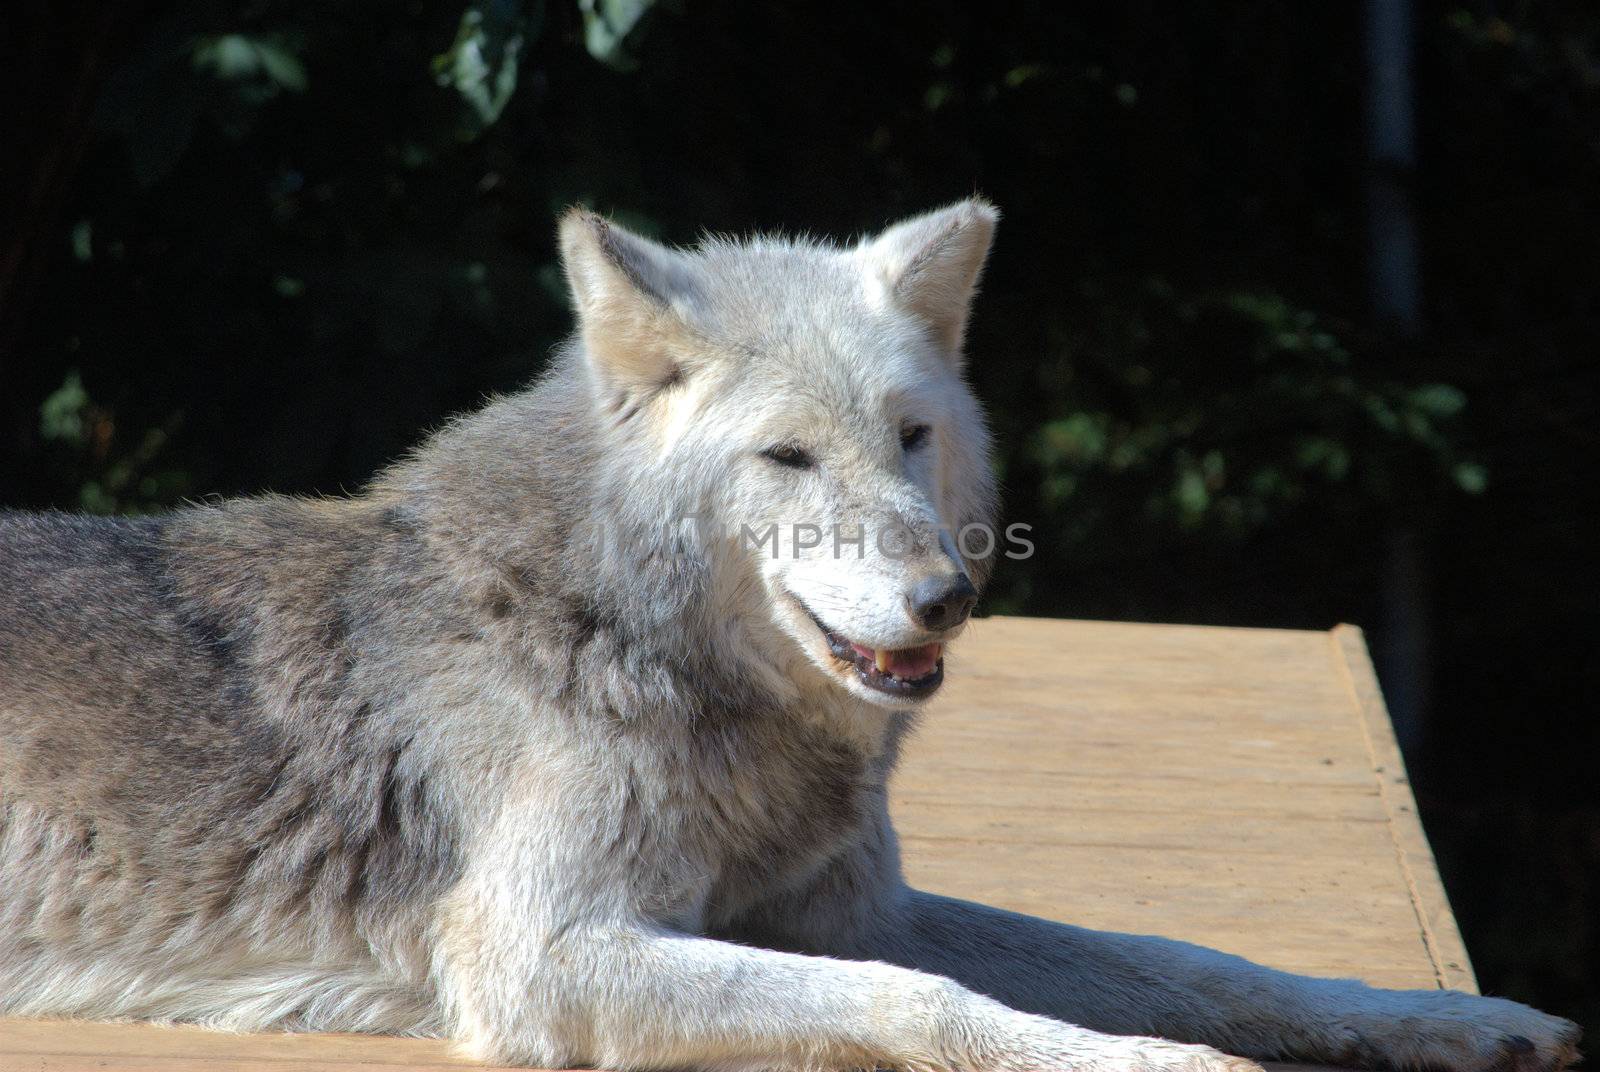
436	760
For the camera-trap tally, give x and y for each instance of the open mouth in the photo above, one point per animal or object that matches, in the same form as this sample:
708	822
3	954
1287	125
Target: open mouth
909	673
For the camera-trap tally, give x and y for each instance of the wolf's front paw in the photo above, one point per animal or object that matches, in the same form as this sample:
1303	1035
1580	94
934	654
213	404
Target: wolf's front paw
1050	1046
1455	1032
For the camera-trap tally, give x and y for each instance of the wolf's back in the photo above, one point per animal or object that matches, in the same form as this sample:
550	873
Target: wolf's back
158	807
95	660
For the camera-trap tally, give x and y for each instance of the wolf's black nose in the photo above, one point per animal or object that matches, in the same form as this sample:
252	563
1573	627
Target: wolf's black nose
942	602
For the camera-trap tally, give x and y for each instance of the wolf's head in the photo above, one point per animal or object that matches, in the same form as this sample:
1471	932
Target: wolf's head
804	404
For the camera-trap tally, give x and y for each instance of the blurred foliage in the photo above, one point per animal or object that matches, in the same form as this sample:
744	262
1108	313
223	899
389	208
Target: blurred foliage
482	62
1242	407
1207	410
606	26
109	481
301	233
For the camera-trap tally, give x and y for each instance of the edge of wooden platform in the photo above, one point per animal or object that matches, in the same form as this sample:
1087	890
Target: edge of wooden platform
1452	967
57	1045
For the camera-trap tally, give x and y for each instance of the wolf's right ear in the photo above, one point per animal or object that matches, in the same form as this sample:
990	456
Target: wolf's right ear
929	265
631	295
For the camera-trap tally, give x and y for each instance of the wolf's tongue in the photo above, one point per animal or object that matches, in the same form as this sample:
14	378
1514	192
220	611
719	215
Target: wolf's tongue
907	663
912	663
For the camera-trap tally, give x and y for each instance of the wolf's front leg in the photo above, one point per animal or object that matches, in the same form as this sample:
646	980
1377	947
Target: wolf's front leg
1128	983
636	998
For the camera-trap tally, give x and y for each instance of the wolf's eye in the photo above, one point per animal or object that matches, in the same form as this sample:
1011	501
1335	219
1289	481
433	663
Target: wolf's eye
789	456
913	436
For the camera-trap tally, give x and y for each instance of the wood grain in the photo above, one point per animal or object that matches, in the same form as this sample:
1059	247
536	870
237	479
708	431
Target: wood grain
1236	787
1240	788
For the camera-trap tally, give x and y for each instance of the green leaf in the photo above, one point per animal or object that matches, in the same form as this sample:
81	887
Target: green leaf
239	58
83	240
469	66
1079	439
287	286
606	26
1471	478
282	66
61	413
1439	399
232	57
1027	72
1191	492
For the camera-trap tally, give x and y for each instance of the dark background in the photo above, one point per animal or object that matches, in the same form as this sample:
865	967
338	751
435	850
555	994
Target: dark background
263	245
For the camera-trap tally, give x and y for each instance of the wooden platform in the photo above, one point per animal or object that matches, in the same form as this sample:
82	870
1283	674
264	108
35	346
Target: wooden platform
1239	788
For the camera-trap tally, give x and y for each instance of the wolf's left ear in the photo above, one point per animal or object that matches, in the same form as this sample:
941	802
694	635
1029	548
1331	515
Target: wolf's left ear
929	265
631	295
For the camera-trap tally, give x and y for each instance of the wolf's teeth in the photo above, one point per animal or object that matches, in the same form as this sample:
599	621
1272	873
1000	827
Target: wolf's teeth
883	661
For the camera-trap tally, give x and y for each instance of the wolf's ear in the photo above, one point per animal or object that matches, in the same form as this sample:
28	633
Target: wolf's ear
929	264
630	294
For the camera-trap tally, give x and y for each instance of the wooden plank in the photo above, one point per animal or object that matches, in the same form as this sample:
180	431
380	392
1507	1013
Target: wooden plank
77	1046
1182	780
1236	787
